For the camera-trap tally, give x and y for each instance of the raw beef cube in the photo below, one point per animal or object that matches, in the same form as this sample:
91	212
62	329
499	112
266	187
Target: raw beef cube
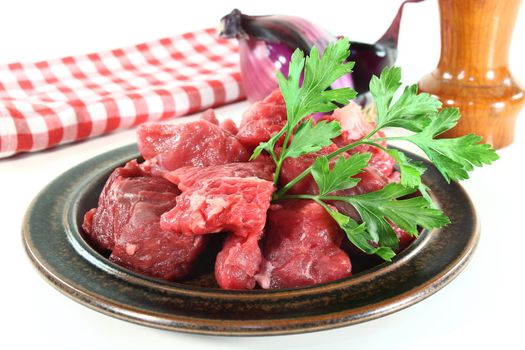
143	246
354	126
371	178
201	143
238	262
127	221
225	198
223	204
101	224
301	247
186	177
262	120
380	159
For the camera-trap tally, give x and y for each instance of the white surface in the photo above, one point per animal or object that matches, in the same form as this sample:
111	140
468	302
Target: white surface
481	308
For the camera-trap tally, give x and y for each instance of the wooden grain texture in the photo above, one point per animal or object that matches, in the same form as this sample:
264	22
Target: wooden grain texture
473	72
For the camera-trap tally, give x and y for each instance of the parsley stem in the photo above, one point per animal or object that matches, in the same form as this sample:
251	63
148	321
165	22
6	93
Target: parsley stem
316	198
392	138
373	143
277	171
279	162
298	196
365	140
306	171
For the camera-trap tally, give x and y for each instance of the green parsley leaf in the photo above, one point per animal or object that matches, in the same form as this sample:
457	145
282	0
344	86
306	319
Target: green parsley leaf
319	73
446	119
411	171
387	204
310	138
384	88
358	234
454	157
263	146
268	146
389	207
340	177
424	190
410	111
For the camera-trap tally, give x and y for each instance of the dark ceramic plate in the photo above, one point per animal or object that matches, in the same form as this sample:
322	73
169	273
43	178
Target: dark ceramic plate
53	240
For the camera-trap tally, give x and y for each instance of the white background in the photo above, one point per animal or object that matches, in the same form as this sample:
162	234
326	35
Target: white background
483	307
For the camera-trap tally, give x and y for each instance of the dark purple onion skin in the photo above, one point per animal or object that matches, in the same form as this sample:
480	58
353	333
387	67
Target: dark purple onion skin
391	36
372	58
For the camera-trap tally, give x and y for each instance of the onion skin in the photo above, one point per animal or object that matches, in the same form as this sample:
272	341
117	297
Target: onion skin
372	58
267	43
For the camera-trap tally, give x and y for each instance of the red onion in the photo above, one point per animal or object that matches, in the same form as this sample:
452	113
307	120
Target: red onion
267	43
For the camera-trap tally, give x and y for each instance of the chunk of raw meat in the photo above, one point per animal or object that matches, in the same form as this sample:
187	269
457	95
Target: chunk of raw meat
209	116
380	159
262	120
223	204
186	177
102	223
218	199
229	126
301	247
238	262
354	126
371	178
127	221
168	147
403	237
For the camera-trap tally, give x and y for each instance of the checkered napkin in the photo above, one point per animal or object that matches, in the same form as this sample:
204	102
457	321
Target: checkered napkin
54	102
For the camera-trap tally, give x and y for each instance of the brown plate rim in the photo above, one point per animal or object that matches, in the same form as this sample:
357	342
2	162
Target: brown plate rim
72	183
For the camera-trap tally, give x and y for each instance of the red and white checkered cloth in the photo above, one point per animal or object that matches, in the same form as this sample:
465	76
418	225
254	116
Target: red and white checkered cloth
54	102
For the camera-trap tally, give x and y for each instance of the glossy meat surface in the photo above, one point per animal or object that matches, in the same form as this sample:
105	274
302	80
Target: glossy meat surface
225	198
127	222
301	247
201	143
223	204
187	177
238	262
262	119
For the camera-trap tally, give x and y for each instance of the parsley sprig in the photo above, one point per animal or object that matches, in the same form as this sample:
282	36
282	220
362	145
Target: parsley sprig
310	97
407	205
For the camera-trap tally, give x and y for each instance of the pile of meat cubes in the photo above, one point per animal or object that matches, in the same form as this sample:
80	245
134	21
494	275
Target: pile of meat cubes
156	217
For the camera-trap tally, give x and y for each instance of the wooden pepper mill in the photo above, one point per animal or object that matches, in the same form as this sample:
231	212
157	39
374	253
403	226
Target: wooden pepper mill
473	73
